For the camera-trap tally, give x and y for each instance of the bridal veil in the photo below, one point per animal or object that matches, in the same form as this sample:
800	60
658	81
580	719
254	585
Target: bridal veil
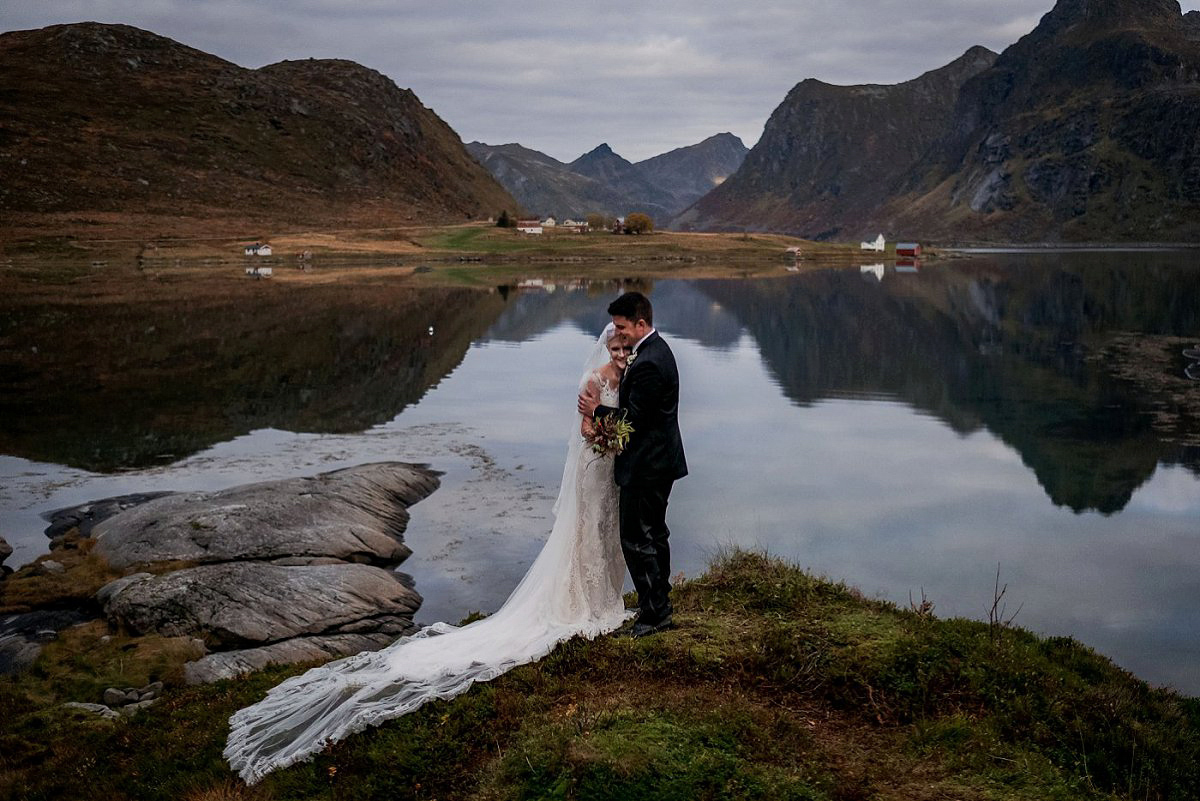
557	599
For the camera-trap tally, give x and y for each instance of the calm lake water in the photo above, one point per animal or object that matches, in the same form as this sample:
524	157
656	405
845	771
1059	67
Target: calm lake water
904	431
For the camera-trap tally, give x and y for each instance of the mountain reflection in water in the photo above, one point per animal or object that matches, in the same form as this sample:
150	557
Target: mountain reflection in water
898	431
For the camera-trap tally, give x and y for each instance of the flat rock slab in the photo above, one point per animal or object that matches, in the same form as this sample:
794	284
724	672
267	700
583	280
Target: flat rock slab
241	604
228	664
358	514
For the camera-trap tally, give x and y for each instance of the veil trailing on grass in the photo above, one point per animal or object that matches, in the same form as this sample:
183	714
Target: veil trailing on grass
573	588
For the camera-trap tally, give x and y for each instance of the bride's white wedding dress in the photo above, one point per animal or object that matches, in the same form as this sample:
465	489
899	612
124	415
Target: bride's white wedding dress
573	588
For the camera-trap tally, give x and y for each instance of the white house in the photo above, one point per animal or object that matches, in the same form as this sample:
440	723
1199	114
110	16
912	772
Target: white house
873	270
876	245
549	222
258	249
529	226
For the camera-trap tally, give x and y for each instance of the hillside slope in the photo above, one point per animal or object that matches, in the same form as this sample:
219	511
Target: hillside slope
829	154
109	122
1085	129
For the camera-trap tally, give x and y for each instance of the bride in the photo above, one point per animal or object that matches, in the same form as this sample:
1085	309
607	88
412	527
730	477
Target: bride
572	588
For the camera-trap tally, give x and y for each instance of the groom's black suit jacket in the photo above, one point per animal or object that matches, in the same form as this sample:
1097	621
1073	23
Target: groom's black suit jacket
650	400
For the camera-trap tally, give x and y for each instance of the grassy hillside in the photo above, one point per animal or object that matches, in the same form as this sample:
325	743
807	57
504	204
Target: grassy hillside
112	130
775	684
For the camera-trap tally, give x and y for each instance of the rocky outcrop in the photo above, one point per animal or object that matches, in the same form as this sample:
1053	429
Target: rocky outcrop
272	572
354	515
5	552
22	636
85	516
279	571
247	603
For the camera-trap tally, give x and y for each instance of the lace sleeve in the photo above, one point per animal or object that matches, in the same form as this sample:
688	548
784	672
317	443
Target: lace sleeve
595	385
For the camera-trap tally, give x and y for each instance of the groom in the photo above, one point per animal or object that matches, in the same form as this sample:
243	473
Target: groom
651	462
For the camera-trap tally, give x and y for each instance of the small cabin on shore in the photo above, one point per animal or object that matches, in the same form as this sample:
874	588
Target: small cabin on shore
258	249
908	249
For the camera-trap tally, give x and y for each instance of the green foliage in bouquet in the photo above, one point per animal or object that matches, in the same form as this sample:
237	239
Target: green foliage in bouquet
612	434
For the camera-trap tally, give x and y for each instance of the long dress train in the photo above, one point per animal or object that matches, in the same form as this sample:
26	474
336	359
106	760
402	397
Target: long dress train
573	588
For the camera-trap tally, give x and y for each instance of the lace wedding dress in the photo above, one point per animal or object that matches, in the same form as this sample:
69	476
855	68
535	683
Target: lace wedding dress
573	588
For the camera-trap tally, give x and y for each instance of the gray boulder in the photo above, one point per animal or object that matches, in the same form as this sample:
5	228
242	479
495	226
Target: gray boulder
17	653
241	604
228	664
22	635
95	709
114	697
132	709
6	550
358	514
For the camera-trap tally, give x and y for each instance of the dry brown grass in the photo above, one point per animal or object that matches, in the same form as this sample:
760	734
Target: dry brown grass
32	587
229	790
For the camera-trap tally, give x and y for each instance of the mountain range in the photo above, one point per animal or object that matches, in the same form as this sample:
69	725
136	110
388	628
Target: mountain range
1084	129
602	181
99	122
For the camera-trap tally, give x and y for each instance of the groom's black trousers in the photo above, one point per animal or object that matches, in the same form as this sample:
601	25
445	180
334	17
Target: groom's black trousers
644	536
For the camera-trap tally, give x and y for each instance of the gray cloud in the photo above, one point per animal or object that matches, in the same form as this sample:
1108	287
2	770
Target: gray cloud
561	78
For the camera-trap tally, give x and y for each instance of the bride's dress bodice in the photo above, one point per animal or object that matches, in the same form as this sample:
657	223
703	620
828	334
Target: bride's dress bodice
610	394
573	588
598	563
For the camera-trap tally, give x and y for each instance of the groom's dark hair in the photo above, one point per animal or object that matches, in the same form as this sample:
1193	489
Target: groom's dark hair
632	306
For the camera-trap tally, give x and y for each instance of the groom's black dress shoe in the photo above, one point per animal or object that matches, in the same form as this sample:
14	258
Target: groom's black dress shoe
640	630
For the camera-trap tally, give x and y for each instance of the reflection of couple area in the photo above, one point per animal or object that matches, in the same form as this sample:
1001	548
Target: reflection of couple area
573	588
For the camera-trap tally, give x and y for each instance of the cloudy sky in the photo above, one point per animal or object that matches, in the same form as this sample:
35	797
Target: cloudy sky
562	77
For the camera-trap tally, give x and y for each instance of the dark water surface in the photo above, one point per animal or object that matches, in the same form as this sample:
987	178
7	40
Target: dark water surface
902	431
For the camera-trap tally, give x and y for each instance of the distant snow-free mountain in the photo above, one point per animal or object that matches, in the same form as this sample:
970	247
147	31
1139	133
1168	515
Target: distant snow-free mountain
602	181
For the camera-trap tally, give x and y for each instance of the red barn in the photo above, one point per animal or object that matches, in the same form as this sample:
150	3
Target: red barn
908	249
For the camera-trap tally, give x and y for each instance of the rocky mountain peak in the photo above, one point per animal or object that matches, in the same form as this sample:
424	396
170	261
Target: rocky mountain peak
1111	13
600	150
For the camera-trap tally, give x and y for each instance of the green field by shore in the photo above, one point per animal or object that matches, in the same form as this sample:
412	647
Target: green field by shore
775	684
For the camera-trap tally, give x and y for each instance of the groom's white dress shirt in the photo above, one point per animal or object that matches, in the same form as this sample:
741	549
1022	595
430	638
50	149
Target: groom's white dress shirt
643	339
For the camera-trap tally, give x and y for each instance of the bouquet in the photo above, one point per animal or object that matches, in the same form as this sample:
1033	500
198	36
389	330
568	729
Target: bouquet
611	434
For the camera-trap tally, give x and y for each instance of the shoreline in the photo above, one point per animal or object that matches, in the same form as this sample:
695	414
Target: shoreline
774	683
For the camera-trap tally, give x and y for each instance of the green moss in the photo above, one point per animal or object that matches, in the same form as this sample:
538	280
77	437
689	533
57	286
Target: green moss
776	684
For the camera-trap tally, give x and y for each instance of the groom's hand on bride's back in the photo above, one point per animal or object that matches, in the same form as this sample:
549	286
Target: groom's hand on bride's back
589	399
